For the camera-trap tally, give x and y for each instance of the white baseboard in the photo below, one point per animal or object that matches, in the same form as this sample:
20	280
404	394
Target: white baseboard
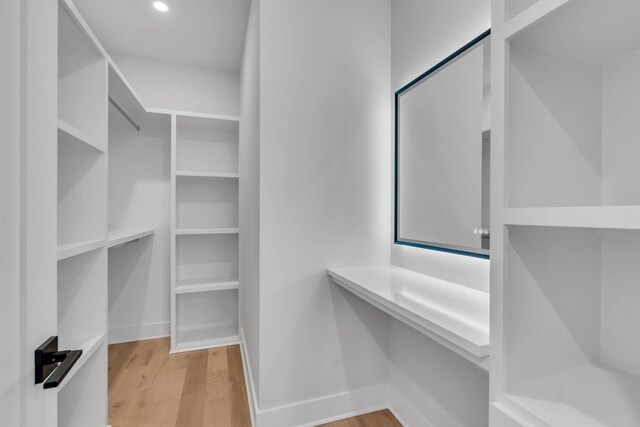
325	409
146	331
312	412
404	410
248	379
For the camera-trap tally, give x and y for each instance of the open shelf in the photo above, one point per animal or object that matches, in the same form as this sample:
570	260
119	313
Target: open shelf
207	145
616	217
204	231
65	130
89	349
454	315
82	287
520	14
208	174
516	7
82	85
206	285
572	124
72	249
589	395
214	257
571	349
120	237
203	203
206	319
82	396
81	193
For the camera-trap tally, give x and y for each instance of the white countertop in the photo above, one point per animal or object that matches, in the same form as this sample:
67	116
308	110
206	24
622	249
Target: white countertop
454	315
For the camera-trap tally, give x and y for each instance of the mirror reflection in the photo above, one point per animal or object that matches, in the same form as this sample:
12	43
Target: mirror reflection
443	142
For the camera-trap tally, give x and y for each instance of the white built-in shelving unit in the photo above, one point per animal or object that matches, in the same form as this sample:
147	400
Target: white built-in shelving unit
565	271
204	224
82	223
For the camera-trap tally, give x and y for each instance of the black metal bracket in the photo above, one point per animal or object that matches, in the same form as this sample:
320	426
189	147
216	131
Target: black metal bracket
53	365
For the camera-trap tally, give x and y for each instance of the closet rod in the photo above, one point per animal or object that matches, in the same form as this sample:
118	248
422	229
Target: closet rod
126	116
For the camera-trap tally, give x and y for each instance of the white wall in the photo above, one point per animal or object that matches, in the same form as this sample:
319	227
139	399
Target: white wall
429	385
139	183
422	34
183	87
324	185
249	157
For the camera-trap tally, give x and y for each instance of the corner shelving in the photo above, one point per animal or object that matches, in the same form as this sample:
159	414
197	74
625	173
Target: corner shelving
204	224
567	207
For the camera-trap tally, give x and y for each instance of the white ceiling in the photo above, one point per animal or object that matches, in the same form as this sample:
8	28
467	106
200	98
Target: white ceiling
200	32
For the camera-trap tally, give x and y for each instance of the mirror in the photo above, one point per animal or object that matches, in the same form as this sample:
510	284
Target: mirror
442	146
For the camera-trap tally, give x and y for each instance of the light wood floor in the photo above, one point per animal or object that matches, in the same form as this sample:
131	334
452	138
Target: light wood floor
148	387
375	419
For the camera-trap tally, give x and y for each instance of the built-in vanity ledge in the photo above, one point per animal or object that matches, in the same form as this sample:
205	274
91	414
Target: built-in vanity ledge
453	315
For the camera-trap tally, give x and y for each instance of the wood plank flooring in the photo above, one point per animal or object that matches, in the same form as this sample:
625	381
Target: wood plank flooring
148	387
382	418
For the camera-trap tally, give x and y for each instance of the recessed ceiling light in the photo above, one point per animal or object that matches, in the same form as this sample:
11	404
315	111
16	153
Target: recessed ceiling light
161	6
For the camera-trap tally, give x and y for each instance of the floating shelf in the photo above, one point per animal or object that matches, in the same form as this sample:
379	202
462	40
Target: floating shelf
73	249
615	217
120	237
454	315
88	350
206	285
208	174
200	231
77	135
587	396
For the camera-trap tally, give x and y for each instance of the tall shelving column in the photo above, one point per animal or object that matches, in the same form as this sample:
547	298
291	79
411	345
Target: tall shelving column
82	223
204	231
566	213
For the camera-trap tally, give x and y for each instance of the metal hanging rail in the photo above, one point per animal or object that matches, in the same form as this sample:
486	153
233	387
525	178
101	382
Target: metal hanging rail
126	116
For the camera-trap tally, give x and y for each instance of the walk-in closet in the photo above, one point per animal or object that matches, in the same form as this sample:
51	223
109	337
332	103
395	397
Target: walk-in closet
299	213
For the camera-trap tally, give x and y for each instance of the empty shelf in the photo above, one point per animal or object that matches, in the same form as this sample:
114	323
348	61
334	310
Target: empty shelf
617	217
185	231
88	350
73	249
207	337
206	285
208	174
453	315
77	135
120	237
587	396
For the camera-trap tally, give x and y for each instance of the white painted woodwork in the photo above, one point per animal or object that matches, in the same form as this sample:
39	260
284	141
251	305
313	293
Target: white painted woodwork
82	222
456	315
119	237
204	231
564	272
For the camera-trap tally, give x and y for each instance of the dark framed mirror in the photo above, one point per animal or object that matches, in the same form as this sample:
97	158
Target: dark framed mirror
442	154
